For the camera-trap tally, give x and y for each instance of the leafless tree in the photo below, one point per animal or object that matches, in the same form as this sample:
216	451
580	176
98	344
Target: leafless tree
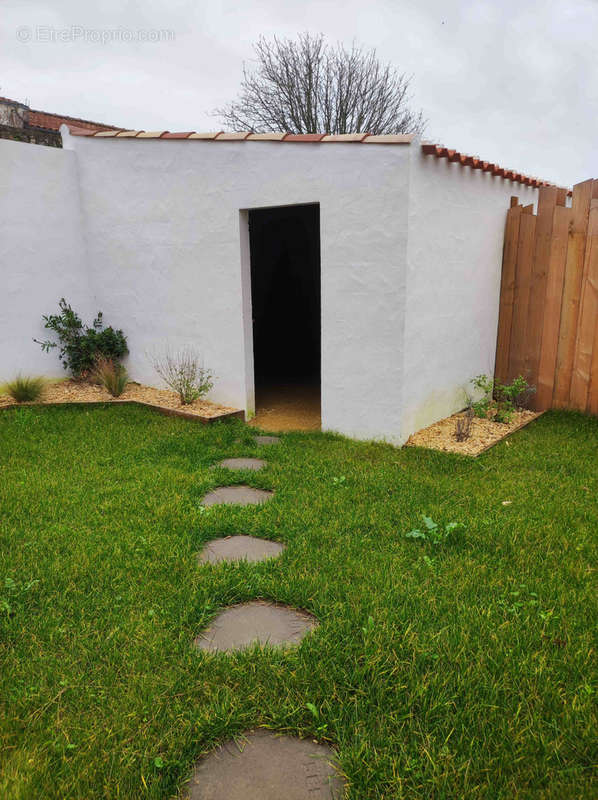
308	86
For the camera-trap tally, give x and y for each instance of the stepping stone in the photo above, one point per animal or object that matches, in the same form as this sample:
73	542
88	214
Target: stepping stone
236	495
256	622
243	463
264	766
239	548
267	439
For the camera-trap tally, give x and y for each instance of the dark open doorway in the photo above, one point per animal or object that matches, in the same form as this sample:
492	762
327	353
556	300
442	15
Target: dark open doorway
285	296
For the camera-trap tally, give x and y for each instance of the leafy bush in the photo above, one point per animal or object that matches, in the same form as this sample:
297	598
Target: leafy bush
499	401
80	345
184	373
434	533
111	375
25	389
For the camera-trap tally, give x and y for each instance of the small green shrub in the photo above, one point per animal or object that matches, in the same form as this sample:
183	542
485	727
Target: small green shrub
499	401
25	389
112	376
434	533
80	346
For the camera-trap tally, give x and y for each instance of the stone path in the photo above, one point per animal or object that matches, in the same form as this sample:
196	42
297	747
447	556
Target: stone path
263	766
239	548
236	495
267	439
243	463
256	622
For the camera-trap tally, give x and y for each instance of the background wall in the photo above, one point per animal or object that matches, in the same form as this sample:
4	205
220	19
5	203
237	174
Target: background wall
454	256
42	252
164	234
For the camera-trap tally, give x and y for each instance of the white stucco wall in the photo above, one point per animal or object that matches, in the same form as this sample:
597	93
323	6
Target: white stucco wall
454	259
167	255
154	233
42	253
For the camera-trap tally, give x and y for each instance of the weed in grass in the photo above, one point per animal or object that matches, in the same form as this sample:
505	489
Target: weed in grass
434	533
25	388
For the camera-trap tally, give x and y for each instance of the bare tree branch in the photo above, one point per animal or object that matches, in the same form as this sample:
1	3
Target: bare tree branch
308	86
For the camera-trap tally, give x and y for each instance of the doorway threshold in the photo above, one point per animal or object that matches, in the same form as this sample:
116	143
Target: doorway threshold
288	407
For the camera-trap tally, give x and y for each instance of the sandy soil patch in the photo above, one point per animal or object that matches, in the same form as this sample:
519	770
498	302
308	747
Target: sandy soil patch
484	433
70	391
288	407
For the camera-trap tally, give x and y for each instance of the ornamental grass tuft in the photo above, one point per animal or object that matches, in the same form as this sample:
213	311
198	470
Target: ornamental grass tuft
25	388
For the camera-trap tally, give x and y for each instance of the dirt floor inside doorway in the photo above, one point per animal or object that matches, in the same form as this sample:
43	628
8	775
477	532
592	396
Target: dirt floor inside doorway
288	407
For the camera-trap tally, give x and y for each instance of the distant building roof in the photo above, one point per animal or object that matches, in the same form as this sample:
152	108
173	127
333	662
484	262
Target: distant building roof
50	121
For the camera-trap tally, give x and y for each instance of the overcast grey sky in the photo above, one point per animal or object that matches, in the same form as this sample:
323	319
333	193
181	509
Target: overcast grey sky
513	81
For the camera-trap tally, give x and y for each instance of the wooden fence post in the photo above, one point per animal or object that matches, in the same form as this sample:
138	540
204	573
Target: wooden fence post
523	277
582	196
507	292
552	308
547	198
588	316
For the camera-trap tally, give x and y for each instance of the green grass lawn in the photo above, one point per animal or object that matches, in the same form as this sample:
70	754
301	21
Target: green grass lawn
466	670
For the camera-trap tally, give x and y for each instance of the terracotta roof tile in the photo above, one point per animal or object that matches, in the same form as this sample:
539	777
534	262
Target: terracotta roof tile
454	156
81	131
151	134
181	135
344	137
232	137
207	136
303	137
266	137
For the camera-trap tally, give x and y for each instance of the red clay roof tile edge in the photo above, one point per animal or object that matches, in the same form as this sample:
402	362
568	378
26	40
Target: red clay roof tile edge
454	156
241	136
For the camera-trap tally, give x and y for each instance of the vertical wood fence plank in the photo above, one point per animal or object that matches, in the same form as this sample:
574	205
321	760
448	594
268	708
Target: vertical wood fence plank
593	391
547	197
582	195
507	293
552	308
588	314
523	277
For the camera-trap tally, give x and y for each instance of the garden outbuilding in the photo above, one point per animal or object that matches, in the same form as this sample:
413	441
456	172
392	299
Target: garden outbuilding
368	267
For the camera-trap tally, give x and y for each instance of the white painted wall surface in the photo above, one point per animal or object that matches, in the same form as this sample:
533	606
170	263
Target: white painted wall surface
454	258
42	253
164	234
153	233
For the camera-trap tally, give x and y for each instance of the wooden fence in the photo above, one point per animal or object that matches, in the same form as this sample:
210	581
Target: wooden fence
548	320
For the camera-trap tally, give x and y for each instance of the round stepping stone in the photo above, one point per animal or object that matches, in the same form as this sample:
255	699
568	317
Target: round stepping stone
243	463
267	439
236	495
264	766
239	548
256	622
